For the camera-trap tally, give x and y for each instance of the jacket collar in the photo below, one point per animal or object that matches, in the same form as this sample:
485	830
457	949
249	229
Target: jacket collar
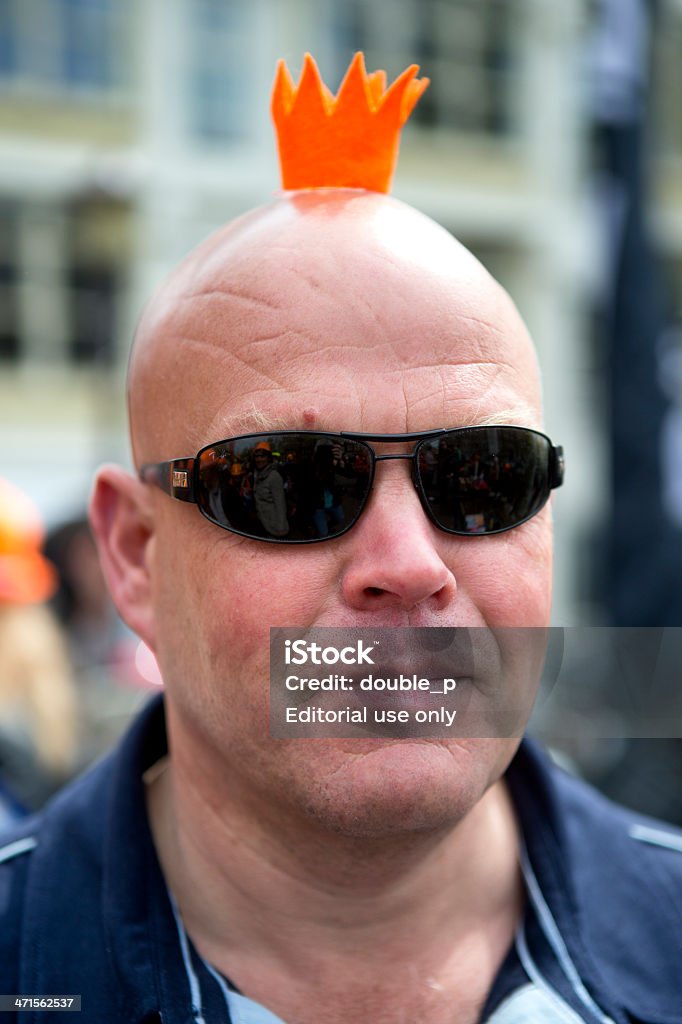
599	883
616	902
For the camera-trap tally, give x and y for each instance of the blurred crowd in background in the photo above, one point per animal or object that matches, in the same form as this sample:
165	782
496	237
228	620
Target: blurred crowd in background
550	142
70	672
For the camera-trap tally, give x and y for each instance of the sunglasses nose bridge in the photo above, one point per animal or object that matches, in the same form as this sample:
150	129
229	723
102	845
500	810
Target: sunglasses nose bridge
394	455
415	474
410	457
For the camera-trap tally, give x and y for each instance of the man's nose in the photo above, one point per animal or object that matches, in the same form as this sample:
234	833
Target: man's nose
396	555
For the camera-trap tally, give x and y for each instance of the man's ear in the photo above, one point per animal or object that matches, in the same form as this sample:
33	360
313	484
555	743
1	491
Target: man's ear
122	522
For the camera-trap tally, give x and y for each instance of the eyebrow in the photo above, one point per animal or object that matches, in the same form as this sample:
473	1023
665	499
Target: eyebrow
517	416
258	421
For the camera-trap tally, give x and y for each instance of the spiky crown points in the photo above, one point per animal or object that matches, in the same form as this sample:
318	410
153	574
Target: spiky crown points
345	141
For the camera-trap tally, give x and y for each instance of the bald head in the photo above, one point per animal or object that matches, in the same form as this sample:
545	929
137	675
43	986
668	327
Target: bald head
312	273
329	311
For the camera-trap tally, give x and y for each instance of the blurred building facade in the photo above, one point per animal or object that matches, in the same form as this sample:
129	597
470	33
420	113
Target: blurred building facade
129	129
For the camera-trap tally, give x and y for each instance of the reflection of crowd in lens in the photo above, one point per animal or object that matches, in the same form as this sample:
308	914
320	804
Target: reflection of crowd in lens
304	487
268	492
300	489
476	492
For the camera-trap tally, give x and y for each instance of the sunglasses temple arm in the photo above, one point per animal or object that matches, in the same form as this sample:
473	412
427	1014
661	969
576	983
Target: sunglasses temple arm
175	478
556	466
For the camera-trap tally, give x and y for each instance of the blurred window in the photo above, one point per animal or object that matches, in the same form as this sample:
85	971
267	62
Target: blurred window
73	45
464	46
92	315
62	276
87	51
96	253
220	67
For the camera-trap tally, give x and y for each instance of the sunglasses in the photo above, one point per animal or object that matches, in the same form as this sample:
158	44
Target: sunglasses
304	486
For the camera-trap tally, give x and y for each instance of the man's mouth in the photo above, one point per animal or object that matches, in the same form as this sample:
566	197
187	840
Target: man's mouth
441	683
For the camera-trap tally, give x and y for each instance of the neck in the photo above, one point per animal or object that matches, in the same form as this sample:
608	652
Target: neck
273	908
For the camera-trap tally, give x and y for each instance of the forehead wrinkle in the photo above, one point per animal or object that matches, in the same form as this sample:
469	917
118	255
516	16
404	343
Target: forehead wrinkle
458	382
343	351
244	334
361	311
237	296
459	409
490	385
199	348
333	302
455	405
480	322
344	299
233	293
290	334
483	401
279	285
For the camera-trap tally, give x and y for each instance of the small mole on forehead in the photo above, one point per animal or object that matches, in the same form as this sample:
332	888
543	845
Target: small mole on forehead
309	417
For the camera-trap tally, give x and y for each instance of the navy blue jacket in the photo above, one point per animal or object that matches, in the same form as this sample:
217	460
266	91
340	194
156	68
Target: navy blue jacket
84	908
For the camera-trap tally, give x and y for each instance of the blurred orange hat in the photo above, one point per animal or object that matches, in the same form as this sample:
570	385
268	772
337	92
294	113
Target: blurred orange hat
26	576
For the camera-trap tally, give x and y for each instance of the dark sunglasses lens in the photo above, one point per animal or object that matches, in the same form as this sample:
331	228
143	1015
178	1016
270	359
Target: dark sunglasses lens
486	479
289	487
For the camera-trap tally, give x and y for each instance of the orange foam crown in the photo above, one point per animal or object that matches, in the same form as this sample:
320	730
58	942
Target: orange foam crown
349	140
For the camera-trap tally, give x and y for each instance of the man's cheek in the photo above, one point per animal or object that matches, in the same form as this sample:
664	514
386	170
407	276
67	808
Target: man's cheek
508	587
271	586
235	636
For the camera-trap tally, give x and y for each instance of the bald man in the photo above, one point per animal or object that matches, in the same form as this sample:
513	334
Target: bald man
207	872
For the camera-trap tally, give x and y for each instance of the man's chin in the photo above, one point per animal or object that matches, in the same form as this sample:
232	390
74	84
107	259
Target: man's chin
408	786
